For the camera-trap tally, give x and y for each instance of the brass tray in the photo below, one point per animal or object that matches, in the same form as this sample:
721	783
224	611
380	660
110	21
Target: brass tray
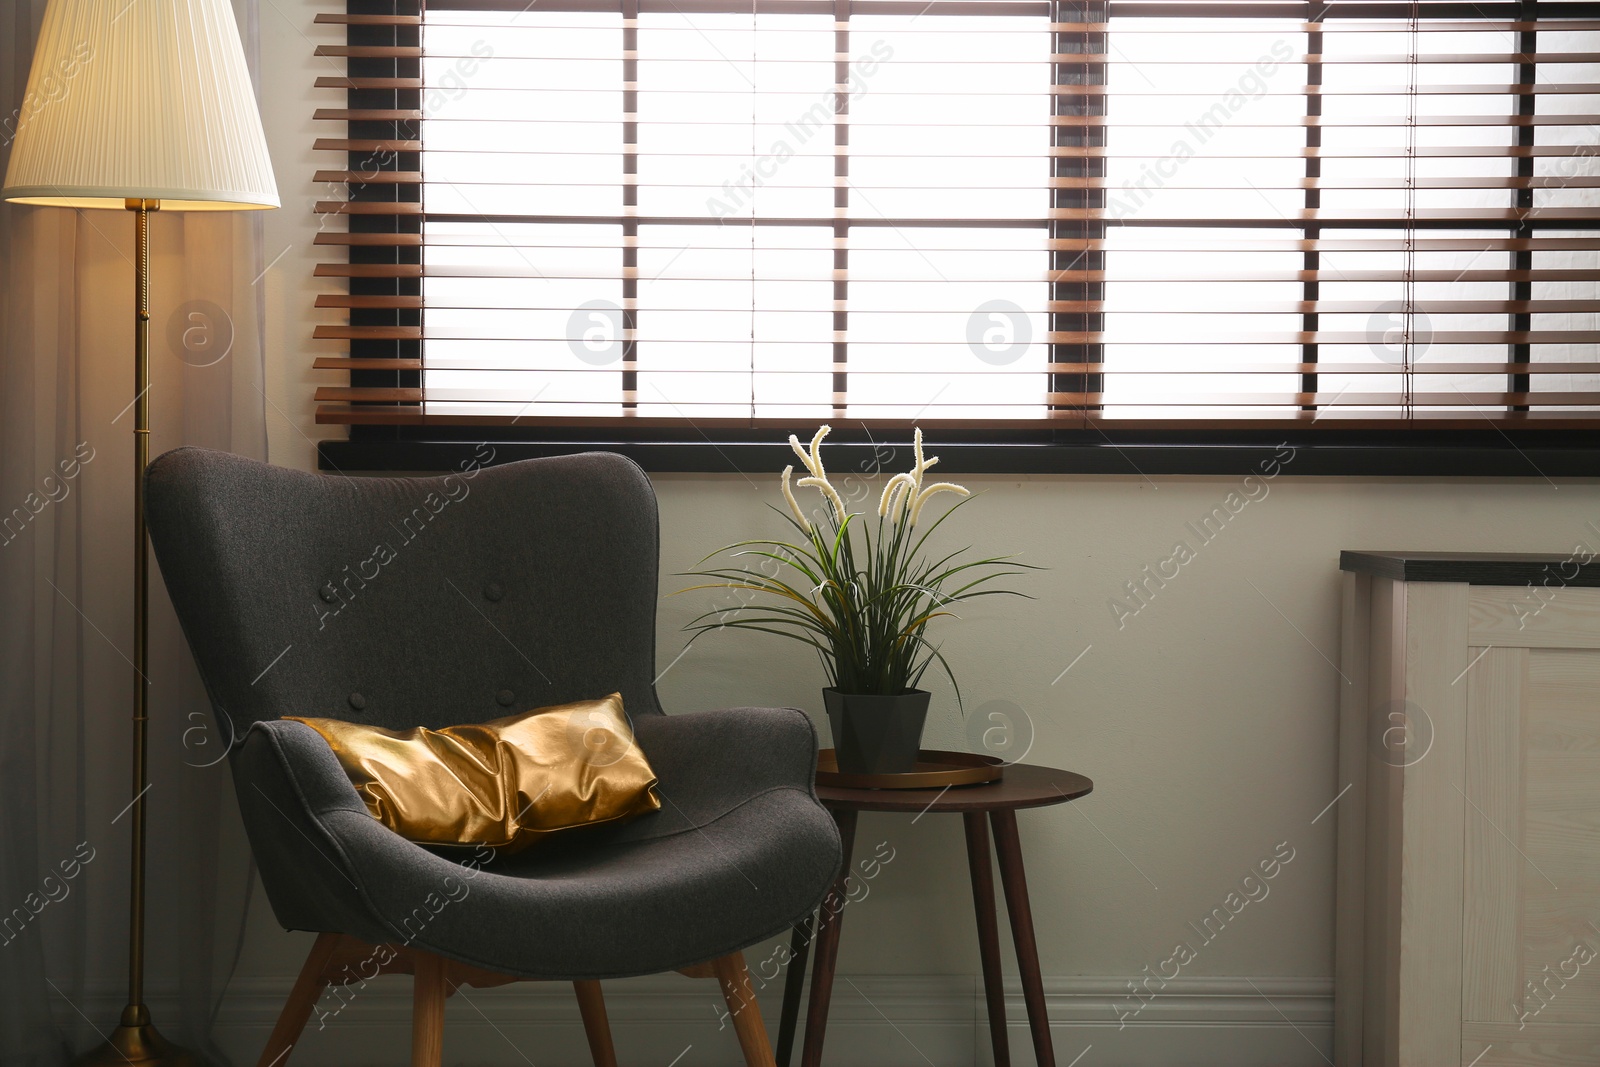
935	769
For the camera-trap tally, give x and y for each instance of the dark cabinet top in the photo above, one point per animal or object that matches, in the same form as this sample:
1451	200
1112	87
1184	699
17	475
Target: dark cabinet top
1579	567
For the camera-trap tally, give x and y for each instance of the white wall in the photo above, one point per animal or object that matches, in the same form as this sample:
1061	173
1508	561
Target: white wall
1207	722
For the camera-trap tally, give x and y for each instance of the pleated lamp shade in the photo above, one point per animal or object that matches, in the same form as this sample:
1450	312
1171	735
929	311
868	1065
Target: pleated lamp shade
146	99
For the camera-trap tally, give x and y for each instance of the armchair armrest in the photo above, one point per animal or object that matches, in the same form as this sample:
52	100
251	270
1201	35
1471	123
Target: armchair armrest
313	840
710	762
746	748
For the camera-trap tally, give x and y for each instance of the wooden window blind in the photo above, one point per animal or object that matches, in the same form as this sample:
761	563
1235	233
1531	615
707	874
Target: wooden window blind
995	214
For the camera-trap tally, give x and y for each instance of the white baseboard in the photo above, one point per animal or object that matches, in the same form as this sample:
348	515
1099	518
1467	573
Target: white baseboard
875	1021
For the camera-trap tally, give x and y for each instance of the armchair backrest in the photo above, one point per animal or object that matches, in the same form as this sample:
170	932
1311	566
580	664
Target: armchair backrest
407	602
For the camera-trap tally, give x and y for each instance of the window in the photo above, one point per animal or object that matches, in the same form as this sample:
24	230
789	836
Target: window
1021	221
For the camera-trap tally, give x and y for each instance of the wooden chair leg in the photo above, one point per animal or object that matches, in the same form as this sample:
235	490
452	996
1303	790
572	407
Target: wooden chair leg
302	998
427	1010
741	998
596	1027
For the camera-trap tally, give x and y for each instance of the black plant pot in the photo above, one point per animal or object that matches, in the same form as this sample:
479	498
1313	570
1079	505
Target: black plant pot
875	734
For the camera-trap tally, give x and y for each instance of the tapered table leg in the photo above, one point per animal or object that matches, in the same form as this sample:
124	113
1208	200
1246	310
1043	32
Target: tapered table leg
829	921
794	984
1009	847
988	932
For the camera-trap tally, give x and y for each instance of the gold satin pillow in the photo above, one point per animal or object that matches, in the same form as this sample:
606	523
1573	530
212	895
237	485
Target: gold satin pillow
504	783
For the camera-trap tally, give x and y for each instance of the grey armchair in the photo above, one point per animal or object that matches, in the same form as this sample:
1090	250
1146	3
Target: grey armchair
434	601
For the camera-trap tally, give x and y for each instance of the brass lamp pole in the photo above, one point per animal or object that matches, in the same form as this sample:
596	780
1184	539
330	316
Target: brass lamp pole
195	143
135	1039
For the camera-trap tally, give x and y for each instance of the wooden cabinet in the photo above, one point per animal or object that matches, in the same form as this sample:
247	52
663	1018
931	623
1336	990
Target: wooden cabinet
1467	928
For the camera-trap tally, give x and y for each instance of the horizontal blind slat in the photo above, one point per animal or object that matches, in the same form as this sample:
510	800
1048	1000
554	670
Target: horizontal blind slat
366	144
335	18
334	51
367	333
370	114
367	270
329	237
342	82
350	363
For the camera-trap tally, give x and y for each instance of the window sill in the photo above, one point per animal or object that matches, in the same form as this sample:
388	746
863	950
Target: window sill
1483	454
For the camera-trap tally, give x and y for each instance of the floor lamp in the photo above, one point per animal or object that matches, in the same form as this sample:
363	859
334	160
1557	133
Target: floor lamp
141	105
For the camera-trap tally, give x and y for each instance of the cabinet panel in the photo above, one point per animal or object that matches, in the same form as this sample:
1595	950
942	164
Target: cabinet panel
1509	617
1384	691
1490	1044
1434	823
1357	632
1492	901
1561	880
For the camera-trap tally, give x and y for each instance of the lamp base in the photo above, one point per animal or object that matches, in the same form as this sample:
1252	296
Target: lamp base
137	1043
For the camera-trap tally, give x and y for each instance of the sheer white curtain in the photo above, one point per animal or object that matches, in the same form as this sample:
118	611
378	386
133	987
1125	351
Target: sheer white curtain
66	632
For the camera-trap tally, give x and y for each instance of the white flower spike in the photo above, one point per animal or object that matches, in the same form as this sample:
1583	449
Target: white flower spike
816	450
819	475
936	487
904	496
813	459
899	488
921	467
788	494
826	488
794	444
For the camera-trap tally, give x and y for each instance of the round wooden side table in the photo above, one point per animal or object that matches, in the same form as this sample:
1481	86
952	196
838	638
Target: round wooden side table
1024	786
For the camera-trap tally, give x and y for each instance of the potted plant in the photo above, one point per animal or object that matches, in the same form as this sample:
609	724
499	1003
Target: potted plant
863	594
